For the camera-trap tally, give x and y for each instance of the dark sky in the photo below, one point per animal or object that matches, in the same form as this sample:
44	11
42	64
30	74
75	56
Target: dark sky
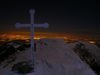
70	16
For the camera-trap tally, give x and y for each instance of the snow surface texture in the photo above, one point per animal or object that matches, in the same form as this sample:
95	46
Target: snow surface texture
93	49
53	57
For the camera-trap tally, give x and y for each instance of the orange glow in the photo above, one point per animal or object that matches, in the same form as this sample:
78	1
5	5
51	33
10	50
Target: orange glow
92	42
39	35
37	38
27	40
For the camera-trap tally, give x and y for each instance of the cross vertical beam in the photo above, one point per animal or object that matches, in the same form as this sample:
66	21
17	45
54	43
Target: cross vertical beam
32	12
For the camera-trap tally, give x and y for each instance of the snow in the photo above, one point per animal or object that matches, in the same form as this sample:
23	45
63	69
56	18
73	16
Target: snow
53	57
92	48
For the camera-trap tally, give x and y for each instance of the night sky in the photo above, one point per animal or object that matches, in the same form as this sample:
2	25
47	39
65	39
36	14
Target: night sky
69	16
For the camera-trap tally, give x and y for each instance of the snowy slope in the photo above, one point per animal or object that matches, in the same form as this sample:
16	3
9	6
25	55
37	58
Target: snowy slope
53	57
91	48
61	59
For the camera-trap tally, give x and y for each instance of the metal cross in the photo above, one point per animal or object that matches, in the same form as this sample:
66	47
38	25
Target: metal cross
32	25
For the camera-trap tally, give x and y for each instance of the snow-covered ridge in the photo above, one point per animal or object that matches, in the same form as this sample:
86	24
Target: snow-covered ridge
53	57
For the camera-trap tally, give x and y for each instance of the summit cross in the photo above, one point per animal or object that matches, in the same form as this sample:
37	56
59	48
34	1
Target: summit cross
32	25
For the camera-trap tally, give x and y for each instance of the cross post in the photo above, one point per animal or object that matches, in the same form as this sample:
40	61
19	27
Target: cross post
32	25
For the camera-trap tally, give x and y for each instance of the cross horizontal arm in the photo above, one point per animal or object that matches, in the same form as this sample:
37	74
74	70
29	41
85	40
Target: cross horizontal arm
45	25
18	25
